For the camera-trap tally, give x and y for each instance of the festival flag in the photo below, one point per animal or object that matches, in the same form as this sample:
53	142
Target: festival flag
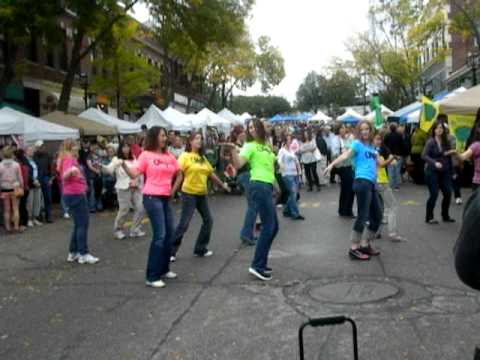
430	111
461	126
376	106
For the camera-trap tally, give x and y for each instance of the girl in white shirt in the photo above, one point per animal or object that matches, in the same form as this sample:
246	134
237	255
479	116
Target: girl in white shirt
129	193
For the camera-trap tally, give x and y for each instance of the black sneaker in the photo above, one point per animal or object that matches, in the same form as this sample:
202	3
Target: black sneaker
262	275
432	222
268	270
249	242
299	217
449	220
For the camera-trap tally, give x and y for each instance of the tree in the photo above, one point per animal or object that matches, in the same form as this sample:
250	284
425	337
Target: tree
466	18
124	73
95	20
270	64
311	93
18	27
262	106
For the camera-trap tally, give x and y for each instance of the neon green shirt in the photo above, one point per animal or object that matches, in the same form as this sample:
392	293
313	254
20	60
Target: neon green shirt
261	159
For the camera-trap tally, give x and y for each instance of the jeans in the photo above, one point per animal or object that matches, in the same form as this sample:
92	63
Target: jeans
395	174
78	209
94	195
246	233
47	196
23	209
456	184
345	202
438	180
368	206
189	204
161	218
390	207
262	199
291	207
311	175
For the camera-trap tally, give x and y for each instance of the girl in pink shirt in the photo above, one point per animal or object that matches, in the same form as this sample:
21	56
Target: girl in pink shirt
74	192
161	173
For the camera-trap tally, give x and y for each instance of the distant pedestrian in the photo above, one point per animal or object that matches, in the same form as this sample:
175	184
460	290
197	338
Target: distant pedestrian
346	174
11	189
395	143
45	175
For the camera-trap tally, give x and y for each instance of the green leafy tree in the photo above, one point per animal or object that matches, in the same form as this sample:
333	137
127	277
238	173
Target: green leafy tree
311	93
262	106
124	74
270	64
466	18
19	21
94	19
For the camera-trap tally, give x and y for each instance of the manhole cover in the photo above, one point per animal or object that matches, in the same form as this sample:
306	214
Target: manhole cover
353	292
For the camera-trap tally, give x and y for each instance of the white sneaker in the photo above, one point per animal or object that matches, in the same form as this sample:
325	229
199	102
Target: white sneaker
66	216
155	284
87	259
72	257
119	235
37	223
207	254
458	201
30	223
137	233
170	275
173	259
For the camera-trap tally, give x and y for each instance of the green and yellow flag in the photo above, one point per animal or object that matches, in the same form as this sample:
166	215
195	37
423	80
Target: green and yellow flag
430	111
461	126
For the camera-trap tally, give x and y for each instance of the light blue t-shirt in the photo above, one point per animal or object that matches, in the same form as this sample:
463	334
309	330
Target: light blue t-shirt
365	161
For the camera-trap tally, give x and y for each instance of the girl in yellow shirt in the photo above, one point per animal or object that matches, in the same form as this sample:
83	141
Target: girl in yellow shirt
195	172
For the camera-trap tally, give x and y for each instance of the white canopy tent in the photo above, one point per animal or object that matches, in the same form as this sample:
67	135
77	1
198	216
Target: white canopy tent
246	116
154	117
350	113
386	112
32	128
320	116
466	102
213	120
230	116
179	121
122	126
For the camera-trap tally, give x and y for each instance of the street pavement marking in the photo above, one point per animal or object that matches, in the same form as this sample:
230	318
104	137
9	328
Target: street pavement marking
411	203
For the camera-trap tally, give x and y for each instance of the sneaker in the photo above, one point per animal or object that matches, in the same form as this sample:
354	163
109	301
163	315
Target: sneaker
458	201
72	257
155	284
262	275
432	222
170	275
248	242
207	254
173	258
119	235
299	217
37	223
356	254
449	220
268	270
87	259
396	238
66	216
369	250
30	223
137	233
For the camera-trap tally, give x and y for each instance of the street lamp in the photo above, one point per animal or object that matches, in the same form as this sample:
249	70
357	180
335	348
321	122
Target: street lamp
472	61
84	84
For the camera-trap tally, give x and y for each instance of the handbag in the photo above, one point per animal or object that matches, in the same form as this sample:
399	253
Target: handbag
18	191
318	155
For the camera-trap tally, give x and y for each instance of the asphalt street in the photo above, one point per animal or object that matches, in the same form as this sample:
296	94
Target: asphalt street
408	303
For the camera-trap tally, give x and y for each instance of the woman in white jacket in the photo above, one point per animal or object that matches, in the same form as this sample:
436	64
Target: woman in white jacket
129	193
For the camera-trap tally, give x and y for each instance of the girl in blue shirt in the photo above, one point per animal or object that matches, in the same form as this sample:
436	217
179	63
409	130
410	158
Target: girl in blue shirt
364	157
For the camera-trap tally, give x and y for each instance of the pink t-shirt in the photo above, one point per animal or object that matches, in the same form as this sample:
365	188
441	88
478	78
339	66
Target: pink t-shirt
159	170
73	185
475	147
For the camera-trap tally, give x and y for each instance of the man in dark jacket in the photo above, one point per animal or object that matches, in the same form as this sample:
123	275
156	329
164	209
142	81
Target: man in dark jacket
45	176
395	143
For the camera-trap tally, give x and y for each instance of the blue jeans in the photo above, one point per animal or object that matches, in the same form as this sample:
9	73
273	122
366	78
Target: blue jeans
62	200
94	196
189	204
369	206
161	218
291	207
395	174
47	196
438	180
78	209
251	214
262	200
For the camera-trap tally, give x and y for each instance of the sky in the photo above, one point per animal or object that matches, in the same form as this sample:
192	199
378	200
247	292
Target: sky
309	34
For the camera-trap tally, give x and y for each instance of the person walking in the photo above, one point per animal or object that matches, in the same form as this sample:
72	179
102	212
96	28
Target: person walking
309	155
94	176
322	162
369	207
346	174
195	171
395	143
161	172
26	173
290	171
438	172
34	200
11	189
129	193
45	175
75	196
261	158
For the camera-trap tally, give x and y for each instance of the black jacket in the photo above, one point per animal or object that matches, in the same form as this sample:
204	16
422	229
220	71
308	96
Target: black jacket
44	163
395	143
321	145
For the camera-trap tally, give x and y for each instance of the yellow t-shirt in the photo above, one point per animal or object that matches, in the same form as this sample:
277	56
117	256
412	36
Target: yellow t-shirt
196	170
382	177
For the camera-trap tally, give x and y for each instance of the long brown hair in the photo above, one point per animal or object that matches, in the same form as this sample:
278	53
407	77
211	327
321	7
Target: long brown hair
151	140
188	145
357	130
259	129
444	138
